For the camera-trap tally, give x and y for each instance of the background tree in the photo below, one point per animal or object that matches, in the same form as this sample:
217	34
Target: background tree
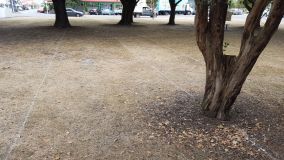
73	3
248	4
127	11
225	74
173	4
152	4
236	4
61	18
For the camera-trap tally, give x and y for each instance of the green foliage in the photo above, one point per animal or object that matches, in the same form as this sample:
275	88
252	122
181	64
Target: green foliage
73	3
248	4
236	4
152	3
225	45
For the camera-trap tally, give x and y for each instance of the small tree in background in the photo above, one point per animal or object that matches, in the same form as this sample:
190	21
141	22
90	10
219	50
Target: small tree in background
73	3
127	11
152	4
173	4
226	74
236	4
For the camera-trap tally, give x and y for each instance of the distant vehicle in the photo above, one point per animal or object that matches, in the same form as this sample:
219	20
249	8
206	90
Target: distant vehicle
142	9
117	11
94	11
72	12
20	8
25	7
40	10
107	11
236	11
186	7
189	10
146	11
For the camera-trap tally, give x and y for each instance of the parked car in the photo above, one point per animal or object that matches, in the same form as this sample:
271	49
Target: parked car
236	11
25	7
189	10
144	11
40	10
20	8
107	12
73	12
94	11
118	11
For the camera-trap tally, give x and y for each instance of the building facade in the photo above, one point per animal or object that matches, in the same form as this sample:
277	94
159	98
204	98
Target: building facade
102	4
105	4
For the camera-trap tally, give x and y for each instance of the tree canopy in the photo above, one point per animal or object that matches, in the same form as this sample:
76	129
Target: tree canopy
73	3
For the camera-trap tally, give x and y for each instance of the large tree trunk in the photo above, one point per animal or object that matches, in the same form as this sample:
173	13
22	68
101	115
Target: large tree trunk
225	75
173	14
61	18
173	4
127	12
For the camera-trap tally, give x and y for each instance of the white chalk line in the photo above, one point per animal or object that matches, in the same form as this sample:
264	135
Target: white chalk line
31	106
169	48
161	74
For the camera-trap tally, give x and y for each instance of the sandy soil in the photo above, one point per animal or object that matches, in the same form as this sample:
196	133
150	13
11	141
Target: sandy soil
101	91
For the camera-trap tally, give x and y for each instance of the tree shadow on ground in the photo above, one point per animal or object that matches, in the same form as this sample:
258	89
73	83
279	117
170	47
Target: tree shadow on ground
116	25
255	130
49	33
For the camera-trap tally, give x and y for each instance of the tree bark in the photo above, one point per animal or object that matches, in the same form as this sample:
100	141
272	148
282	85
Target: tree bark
225	75
61	18
173	5
249	5
127	12
173	14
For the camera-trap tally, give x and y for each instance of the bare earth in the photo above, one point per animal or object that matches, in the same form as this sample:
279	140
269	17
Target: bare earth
102	91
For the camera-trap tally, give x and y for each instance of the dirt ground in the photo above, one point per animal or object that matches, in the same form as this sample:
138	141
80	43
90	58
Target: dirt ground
102	91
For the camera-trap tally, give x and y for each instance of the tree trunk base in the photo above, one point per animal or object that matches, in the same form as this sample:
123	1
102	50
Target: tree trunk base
215	115
123	23
225	74
61	17
173	14
62	26
127	12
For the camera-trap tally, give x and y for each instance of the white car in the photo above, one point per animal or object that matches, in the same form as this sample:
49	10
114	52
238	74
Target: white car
236	11
189	10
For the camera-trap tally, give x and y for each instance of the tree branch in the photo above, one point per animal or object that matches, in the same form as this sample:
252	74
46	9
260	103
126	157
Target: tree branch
251	24
247	4
252	45
201	23
178	2
271	25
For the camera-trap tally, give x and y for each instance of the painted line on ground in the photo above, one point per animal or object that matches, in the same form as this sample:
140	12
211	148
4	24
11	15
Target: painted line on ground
17	138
